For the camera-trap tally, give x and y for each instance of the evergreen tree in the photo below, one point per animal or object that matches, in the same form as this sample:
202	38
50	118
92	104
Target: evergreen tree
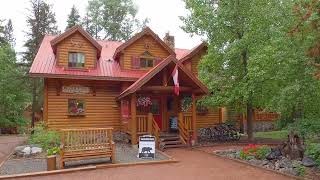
8	33
112	19
93	19
73	17
13	96
41	21
2	33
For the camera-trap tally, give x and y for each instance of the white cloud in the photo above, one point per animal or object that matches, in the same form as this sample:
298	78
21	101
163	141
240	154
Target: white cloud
163	15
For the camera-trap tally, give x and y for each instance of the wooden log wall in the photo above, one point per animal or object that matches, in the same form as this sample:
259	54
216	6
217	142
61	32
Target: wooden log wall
145	43
101	108
76	43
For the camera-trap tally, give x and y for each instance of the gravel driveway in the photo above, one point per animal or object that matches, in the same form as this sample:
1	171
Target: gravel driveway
7	145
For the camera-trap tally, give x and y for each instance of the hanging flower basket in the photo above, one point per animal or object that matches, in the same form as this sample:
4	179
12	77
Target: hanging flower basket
144	101
186	103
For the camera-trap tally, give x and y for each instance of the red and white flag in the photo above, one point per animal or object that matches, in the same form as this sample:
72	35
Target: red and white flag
175	80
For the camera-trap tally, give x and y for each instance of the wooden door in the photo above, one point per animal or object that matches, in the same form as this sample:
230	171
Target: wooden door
156	110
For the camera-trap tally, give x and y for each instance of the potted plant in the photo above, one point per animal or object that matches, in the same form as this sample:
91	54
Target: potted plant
51	158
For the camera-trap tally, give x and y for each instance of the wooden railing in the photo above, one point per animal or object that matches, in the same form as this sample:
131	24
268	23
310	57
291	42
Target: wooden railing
187	120
147	125
155	131
142	124
183	130
86	142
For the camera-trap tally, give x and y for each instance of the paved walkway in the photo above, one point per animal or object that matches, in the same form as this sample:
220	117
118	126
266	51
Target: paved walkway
193	165
7	145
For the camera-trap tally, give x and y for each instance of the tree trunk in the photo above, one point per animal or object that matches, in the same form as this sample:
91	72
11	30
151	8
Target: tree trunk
34	101
249	100
250	121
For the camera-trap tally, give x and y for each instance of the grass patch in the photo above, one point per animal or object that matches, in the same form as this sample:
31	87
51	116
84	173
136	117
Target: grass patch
279	135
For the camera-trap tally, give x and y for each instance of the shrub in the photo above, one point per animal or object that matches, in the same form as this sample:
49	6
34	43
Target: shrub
230	122
307	127
53	151
262	152
313	150
253	151
282	123
45	138
301	170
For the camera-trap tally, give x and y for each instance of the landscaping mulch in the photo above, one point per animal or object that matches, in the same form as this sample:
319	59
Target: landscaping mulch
125	153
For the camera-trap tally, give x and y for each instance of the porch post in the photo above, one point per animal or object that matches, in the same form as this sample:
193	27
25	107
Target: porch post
133	119
149	123
194	118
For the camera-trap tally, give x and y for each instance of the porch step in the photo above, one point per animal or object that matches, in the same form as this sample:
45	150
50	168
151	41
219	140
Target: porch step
173	138
168	135
175	146
170	141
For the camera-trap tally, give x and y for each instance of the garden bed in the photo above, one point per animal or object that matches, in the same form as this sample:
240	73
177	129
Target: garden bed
262	159
125	153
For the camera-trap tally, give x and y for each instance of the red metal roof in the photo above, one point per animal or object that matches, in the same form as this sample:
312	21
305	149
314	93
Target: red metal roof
44	64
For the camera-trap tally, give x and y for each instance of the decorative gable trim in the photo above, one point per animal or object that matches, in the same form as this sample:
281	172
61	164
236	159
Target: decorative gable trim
146	31
155	70
71	31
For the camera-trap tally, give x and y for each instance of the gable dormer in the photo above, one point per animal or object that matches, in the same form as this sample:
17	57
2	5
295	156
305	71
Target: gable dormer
75	48
142	52
192	59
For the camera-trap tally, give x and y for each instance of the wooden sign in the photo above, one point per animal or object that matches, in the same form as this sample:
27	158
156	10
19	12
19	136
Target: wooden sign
76	89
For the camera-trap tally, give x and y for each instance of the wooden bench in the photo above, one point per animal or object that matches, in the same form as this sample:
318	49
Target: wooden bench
86	143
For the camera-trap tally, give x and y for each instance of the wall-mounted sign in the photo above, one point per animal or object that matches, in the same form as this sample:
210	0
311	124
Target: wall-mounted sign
76	89
147	147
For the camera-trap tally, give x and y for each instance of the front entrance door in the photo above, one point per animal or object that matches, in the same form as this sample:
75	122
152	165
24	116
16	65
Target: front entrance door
156	110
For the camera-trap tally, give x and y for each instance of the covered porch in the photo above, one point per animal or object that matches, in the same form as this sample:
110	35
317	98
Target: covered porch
150	106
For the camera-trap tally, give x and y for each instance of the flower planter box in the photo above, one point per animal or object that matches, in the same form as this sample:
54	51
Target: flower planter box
51	162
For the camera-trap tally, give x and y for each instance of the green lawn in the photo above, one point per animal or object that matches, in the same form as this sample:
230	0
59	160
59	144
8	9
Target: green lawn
282	134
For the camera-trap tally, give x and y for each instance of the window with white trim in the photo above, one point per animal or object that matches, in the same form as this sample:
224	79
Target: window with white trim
76	60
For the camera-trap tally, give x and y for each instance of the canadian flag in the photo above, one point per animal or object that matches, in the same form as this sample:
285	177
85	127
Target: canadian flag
175	80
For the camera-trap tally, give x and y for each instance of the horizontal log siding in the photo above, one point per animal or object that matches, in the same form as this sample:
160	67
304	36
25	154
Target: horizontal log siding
101	110
195	60
84	46
209	119
138	47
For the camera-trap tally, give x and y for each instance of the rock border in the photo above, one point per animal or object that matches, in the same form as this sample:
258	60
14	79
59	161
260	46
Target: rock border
247	163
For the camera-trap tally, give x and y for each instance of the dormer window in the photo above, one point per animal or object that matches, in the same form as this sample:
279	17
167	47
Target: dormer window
146	60
146	63
76	60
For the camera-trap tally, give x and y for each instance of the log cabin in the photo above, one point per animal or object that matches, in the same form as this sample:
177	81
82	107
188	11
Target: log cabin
128	85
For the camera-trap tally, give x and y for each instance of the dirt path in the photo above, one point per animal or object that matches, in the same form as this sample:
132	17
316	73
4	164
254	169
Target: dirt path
7	145
193	165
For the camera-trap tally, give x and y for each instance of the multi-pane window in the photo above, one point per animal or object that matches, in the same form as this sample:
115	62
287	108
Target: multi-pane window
76	60
146	62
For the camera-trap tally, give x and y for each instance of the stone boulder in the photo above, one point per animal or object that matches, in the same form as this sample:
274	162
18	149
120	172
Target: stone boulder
274	154
27	150
308	162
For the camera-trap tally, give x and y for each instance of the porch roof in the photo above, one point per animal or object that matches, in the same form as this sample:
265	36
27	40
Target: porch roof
155	70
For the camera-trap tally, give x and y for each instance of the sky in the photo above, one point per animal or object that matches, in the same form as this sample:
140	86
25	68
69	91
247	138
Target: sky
163	16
